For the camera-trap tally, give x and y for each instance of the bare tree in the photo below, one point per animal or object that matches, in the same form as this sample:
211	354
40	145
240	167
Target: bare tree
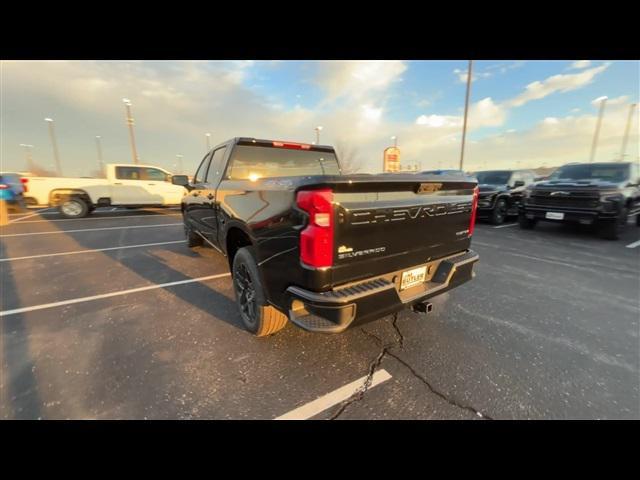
348	157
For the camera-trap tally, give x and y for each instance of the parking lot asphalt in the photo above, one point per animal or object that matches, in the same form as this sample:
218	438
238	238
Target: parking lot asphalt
112	317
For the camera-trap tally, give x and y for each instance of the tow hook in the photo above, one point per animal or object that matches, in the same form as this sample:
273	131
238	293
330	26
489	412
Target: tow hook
423	307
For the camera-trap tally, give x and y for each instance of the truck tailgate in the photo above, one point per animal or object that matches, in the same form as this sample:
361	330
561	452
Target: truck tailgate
385	225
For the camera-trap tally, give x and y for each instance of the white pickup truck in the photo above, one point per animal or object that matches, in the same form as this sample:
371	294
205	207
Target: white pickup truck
126	185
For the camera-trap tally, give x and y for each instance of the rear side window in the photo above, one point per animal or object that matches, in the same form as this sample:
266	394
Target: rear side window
129	173
249	162
202	169
155	174
215	167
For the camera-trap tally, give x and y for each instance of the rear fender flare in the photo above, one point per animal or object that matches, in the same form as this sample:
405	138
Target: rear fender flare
59	196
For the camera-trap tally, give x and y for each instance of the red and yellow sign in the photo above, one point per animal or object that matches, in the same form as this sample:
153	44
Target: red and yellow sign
391	159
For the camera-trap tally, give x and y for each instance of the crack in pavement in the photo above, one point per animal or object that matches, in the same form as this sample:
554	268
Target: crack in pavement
356	397
359	395
397	329
450	401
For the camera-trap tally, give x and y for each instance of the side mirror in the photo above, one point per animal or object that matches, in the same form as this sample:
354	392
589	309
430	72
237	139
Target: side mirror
519	183
181	180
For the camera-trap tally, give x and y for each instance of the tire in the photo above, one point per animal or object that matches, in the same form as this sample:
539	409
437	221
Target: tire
499	212
612	229
526	223
74	207
257	315
193	239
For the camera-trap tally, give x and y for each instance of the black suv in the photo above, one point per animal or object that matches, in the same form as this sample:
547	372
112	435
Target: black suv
600	194
501	192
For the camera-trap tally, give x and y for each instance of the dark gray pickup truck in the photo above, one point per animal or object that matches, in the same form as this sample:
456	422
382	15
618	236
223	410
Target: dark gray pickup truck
323	250
603	195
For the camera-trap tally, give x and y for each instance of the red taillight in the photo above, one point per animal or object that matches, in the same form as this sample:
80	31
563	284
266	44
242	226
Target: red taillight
294	146
474	208
3	186
316	240
24	184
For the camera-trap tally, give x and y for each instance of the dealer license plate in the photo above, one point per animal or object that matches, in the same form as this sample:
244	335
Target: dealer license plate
413	277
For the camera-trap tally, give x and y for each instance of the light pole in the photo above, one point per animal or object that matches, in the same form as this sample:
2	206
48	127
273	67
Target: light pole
127	105
626	131
596	134
318	129
99	147
54	144
208	136
179	157
395	141
466	111
27	151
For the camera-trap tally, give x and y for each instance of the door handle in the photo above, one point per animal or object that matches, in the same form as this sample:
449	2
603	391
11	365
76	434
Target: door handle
195	194
150	183
117	183
211	196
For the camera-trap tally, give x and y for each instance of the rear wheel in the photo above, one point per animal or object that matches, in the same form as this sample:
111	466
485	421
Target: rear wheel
526	223
257	315
612	229
499	212
74	208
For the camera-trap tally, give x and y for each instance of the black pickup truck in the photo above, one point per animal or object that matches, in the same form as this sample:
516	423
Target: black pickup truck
500	193
604	195
321	249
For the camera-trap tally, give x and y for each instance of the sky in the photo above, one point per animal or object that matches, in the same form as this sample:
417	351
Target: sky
522	114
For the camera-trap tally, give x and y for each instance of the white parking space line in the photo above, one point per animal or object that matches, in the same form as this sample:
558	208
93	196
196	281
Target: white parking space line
101	218
75	252
319	405
98	212
28	216
91	230
506	225
108	295
634	244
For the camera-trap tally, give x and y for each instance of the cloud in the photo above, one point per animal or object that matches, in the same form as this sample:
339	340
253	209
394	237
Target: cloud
357	79
484	113
463	74
488	71
556	83
580	64
438	121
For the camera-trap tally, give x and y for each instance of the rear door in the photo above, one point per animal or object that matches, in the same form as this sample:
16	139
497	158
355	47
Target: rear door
129	187
209	214
160	188
195	200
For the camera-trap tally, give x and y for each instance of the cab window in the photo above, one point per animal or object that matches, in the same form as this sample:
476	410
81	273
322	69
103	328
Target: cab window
128	173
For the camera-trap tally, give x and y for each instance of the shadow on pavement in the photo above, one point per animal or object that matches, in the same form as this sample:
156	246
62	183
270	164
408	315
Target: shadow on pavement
20	398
